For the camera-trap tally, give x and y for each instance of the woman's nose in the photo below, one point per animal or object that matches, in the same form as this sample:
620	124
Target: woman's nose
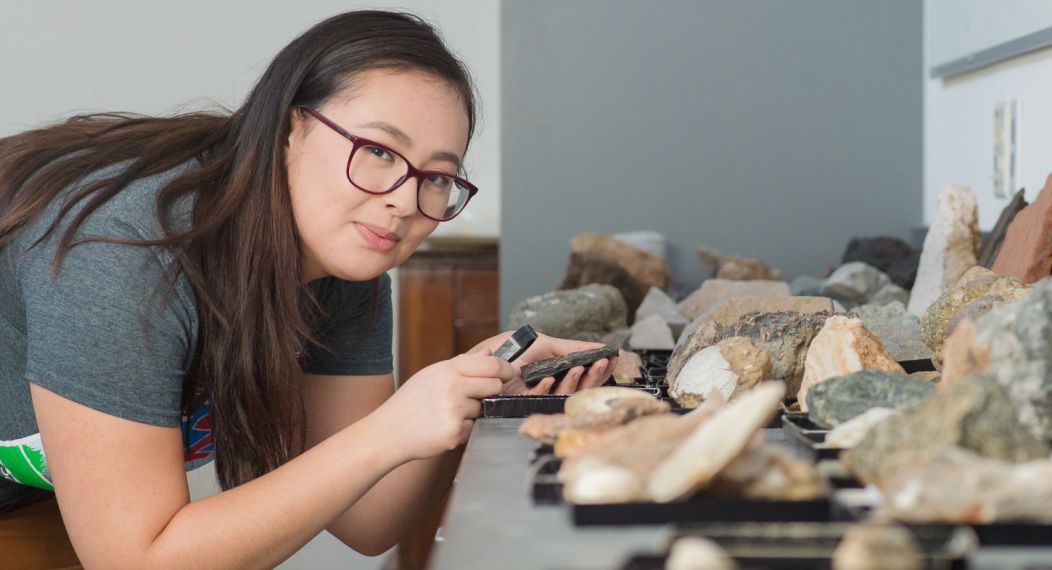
403	199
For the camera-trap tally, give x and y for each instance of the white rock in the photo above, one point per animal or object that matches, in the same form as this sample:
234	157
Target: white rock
651	333
657	302
704	371
851	432
890	293
949	248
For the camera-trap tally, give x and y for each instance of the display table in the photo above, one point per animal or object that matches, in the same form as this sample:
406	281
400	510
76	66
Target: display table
491	522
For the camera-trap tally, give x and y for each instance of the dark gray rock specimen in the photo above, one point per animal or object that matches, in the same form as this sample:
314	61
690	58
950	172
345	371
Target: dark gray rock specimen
836	400
992	244
974	413
891	255
533	373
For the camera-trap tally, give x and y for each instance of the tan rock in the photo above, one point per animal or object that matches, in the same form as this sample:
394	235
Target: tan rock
603	399
749	362
964	354
714	444
950	248
715	291
736	268
629	368
698	553
977	292
547	427
732	310
766	472
844	345
599	258
878	546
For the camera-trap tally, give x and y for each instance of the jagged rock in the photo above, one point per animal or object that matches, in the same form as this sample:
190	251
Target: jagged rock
593	308
878	546
648	241
601	259
651	333
854	283
805	286
617	339
977	292
844	345
1027	249
992	244
736	268
893	256
766	472
897	329
973	413
851	432
890	293
731	366
963	354
837	400
558	366
957	486
950	247
1016	342
629	368
732	310
658	303
785	335
715	291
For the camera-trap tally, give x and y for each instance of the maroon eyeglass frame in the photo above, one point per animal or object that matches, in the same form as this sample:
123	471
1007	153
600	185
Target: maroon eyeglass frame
413	171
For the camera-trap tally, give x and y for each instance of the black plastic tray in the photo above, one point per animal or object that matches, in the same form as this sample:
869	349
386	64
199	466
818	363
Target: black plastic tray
1008	533
702	508
807	437
753	546
522	406
919	365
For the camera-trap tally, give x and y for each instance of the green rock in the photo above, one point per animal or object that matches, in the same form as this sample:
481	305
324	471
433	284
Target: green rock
836	400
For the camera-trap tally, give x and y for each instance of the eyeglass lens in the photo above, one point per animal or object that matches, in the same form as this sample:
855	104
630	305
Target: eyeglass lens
376	169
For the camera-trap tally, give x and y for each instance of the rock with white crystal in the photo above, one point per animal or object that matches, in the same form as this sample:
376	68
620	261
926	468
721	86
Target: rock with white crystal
651	333
950	248
731	366
844	345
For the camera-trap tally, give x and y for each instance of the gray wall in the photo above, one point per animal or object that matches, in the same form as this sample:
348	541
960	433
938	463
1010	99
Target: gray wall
765	128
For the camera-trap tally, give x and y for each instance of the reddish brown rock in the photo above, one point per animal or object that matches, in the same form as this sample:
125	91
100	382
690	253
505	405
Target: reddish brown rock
1027	249
599	258
996	237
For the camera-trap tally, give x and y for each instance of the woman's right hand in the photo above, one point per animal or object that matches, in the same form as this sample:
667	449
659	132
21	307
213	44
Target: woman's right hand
435	409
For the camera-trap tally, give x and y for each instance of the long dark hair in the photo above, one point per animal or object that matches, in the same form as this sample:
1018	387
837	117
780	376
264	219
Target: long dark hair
241	255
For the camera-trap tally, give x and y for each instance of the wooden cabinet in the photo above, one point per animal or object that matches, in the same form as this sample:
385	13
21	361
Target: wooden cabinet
447	303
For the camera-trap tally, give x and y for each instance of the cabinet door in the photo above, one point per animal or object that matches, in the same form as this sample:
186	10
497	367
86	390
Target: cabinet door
476	316
425	317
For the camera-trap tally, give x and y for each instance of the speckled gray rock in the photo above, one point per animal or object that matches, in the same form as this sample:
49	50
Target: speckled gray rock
897	329
805	286
890	293
784	335
855	283
891	255
1018	338
974	413
836	400
596	309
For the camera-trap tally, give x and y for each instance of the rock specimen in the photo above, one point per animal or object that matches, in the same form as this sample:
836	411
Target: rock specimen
890	293
837	400
851	432
992	244
736	268
648	241
977	292
658	303
599	258
854	283
731	366
698	553
785	335
546	428
651	333
629	368
957	486
974	413
602	399
844	345
950	247
878	546
898	330
805	286
714	444
732	310
891	255
558	366
765	472
1027	249
617	339
715	291
1018	340
593	308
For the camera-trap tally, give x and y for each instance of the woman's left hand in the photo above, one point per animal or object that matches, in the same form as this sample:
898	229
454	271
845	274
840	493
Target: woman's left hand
577	378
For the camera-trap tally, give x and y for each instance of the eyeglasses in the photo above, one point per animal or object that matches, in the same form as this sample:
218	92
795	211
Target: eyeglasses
378	169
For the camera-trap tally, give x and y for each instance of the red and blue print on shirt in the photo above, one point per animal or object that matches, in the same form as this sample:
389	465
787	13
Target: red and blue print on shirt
197	434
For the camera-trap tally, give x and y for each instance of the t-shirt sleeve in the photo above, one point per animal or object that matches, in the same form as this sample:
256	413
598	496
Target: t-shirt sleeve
107	331
356	329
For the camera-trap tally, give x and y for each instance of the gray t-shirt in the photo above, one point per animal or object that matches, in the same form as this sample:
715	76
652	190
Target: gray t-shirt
99	335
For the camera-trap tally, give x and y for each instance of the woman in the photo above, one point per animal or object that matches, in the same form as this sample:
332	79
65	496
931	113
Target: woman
173	289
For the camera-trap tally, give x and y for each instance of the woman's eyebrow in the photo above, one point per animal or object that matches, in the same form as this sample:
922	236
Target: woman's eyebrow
404	139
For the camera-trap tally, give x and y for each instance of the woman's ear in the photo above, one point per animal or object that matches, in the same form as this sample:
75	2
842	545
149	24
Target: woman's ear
297	126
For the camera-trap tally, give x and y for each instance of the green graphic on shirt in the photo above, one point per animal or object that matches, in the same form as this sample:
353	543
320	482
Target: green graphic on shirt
22	461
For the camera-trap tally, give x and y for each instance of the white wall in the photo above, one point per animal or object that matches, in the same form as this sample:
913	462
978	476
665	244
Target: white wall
959	125
64	57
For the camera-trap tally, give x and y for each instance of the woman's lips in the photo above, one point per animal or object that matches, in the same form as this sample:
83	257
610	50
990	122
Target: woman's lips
376	240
